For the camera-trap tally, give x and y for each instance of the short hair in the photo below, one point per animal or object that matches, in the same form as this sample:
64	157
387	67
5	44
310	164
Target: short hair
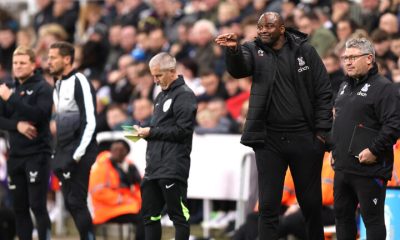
124	143
363	44
21	50
65	49
163	60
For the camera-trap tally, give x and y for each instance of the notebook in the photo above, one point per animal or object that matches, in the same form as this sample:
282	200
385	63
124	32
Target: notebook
361	139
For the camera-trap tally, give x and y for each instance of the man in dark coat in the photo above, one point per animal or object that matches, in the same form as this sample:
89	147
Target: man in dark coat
168	150
289	115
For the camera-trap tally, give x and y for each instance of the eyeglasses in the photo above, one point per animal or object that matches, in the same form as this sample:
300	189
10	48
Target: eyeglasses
352	58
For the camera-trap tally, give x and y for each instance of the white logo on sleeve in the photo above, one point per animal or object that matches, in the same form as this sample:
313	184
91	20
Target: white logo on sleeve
375	200
342	92
169	186
364	90
167	105
29	92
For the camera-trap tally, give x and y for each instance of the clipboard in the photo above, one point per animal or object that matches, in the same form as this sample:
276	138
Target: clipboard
361	139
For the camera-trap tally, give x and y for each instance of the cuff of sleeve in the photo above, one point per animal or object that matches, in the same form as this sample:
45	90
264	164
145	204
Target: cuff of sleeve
233	50
12	99
373	151
76	158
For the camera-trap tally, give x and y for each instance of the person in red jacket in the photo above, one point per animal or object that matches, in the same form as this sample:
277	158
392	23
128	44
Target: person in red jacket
395	181
114	188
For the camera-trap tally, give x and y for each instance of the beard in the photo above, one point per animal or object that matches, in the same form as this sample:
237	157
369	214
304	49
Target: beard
55	72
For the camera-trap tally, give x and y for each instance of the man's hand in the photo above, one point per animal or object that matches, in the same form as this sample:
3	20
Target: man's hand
366	157
5	92
227	40
27	129
291	209
142	132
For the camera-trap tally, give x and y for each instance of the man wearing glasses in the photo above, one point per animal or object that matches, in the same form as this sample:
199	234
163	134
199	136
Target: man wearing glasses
366	125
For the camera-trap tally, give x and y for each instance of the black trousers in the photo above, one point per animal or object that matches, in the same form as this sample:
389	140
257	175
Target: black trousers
74	186
172	193
28	184
303	153
351	190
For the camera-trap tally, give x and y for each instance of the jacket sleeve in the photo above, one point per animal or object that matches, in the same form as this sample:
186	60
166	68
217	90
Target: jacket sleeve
184	109
85	100
322	89
40	111
239	61
6	123
388	111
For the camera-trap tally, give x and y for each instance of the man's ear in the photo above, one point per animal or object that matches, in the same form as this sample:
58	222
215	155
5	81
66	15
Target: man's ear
283	29
67	59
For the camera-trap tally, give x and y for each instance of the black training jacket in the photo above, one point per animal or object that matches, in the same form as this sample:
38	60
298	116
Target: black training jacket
372	102
170	141
32	102
311	82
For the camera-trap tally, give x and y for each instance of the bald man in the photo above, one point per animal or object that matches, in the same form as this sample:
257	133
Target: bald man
288	119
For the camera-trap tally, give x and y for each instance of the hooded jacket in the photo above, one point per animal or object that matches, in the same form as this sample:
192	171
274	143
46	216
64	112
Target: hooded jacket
170	139
75	105
310	81
373	103
31	102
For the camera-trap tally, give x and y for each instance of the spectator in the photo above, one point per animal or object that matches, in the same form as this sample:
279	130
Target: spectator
26	37
116	117
128	39
369	14
202	36
189	69
234	104
131	11
335	72
119	85
209	122
114	187
389	23
218	106
66	14
115	50
322	39
214	87
8	43
142	110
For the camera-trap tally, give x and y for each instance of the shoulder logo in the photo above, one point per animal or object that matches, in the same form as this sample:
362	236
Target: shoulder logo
29	92
301	61
260	52
167	105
